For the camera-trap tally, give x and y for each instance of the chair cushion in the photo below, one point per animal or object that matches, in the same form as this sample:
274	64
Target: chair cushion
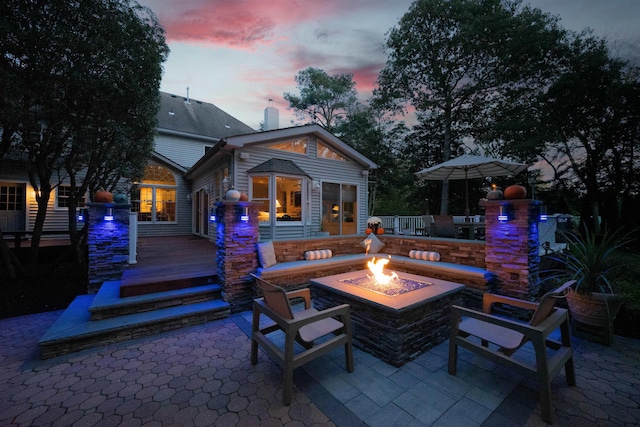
496	334
318	254
424	255
372	244
266	254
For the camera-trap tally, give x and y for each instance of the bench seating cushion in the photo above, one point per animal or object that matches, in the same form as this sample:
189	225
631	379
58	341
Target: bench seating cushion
283	268
443	267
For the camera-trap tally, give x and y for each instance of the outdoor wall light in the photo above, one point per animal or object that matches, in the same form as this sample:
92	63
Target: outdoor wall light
82	215
109	215
245	214
542	215
505	214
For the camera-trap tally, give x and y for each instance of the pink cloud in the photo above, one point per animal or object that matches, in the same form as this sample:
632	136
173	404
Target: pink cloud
232	23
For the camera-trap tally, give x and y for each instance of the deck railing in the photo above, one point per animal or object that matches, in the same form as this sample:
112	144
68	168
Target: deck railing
401	224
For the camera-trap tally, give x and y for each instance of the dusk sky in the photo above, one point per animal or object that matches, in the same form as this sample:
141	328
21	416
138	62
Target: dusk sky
237	54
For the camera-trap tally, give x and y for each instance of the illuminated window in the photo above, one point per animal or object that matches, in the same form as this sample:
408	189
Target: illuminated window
296	146
287	200
154	199
324	152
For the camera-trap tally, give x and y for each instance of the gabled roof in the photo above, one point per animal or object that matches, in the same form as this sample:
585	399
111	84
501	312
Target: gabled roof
189	117
278	166
231	143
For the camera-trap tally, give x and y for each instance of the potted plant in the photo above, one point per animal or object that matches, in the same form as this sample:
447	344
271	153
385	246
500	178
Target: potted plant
590	260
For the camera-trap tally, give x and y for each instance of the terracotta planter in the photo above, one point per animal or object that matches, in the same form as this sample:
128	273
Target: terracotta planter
515	192
594	309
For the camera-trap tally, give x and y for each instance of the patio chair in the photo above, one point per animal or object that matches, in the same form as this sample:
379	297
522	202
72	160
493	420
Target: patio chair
304	326
498	338
443	226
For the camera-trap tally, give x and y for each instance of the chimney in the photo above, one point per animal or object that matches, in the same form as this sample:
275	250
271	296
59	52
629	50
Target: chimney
271	120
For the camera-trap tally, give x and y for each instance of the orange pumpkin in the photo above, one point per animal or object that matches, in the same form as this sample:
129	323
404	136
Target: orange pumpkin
102	196
244	197
368	231
380	230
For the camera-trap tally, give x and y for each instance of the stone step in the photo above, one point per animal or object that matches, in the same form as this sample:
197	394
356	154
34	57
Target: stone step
108	303
136	283
74	330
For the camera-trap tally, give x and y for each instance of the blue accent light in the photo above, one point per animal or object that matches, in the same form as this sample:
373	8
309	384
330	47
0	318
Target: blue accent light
542	215
212	218
244	218
109	215
505	214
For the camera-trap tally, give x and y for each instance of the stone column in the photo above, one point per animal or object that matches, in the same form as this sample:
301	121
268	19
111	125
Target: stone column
512	246
237	235
108	242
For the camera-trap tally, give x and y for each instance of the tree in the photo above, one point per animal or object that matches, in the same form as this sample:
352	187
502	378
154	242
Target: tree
83	80
592	115
456	61
323	99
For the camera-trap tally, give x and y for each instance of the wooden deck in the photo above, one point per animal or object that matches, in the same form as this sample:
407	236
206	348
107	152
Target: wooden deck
162	259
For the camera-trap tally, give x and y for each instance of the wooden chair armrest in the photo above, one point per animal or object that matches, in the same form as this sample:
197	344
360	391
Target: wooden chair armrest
489	299
544	328
301	293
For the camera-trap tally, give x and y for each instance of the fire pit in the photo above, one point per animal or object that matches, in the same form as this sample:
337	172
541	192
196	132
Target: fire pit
395	326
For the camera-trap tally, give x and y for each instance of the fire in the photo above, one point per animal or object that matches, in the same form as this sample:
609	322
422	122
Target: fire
377	269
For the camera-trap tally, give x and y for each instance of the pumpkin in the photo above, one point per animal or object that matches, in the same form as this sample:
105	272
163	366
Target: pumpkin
368	231
244	197
515	192
102	196
380	230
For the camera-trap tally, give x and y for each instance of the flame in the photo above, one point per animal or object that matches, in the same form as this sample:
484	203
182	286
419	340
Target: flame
377	269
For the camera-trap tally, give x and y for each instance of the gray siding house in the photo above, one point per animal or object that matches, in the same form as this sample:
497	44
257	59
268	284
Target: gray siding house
305	178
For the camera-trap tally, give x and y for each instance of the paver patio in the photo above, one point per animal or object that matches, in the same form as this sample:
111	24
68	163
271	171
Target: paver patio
202	376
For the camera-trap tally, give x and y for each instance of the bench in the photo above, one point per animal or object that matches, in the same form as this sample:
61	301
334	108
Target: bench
293	271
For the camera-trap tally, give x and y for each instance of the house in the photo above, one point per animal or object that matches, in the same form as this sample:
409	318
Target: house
304	177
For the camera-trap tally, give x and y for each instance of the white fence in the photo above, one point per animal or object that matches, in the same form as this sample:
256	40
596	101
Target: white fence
397	224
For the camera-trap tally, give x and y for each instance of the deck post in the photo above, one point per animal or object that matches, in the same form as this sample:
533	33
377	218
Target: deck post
236	256
108	242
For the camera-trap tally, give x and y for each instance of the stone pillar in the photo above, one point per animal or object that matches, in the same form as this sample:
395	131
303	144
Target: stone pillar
108	242
512	246
237	235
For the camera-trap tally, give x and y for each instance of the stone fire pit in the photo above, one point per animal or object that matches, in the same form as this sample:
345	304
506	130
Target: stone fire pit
395	328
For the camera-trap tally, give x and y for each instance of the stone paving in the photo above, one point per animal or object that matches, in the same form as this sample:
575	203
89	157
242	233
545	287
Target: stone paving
202	376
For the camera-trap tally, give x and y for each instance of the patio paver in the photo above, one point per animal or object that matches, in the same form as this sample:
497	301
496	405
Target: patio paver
202	376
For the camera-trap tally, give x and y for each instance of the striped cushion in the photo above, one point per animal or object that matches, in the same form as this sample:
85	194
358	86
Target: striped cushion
424	255
319	254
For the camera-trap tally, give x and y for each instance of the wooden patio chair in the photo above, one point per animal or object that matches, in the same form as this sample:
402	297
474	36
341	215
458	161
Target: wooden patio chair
498	338
443	226
304	326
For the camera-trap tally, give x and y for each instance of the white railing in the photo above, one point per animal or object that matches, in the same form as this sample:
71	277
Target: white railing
398	224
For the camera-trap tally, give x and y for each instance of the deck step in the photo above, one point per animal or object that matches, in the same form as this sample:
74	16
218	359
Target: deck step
138	284
74	330
108	303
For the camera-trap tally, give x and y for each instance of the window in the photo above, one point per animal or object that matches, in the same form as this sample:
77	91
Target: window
63	195
155	197
324	152
296	146
287	203
11	198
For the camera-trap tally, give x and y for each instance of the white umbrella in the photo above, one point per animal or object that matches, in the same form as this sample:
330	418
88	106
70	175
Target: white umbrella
469	166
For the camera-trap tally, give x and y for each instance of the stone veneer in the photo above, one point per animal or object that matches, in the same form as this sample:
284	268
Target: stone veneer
236	252
512	247
108	243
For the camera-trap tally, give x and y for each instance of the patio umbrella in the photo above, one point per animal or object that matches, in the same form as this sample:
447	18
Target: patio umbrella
469	166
